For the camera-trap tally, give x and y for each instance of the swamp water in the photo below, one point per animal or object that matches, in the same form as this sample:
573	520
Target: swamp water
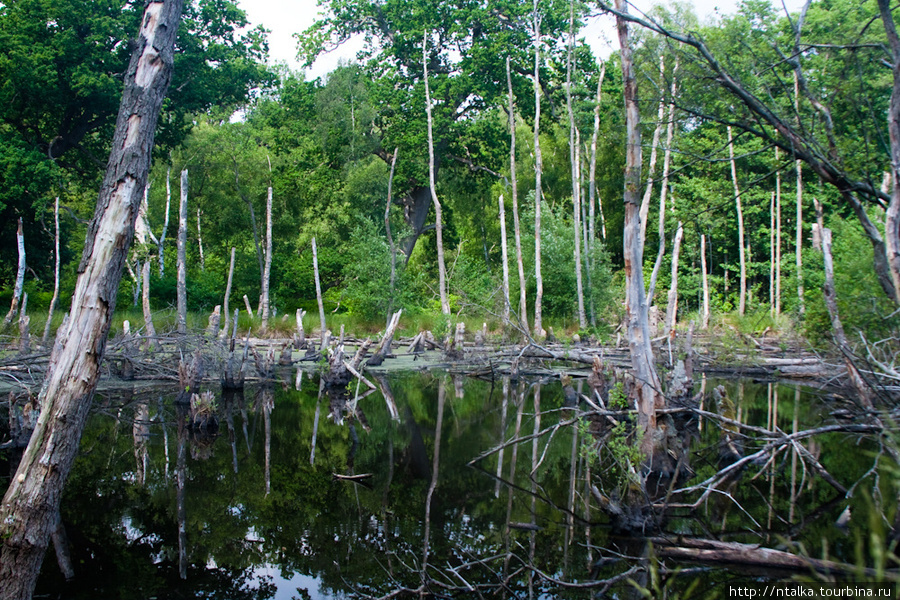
153	510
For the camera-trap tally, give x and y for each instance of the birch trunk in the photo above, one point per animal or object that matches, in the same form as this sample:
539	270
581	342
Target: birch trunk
319	293
505	259
704	321
538	172
55	299
892	215
654	148
387	228
20	276
438	224
575	162
648	395
226	313
777	236
592	183
200	243
162	236
29	508
672	304
742	302
149	329
267	269
517	232
181	290
837	328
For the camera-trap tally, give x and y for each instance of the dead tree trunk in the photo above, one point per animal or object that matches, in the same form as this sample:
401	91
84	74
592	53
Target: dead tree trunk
200	243
892	215
647	390
777	236
592	183
504	258
798	253
438	224
267	269
704	319
29	508
181	290
384	348
55	299
837	328
575	160
162	236
517	232
387	229
654	149
319	293
538	172
20	276
225	311
149	329
672	304
742	302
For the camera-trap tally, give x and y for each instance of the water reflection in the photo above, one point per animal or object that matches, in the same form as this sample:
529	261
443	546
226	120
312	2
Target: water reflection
272	520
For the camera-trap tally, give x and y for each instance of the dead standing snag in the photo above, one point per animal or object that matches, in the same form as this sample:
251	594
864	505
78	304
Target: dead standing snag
28	513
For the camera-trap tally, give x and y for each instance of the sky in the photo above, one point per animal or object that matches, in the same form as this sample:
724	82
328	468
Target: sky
283	18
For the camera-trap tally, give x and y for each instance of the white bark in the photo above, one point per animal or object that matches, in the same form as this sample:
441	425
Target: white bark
798	253
505	261
742	302
438	224
226	313
575	162
200	243
592	183
162	236
20	276
704	320
672	304
517	232
538	172
319	293
267	270
181	290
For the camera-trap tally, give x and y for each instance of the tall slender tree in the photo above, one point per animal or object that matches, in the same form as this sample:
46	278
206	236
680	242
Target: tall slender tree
438	222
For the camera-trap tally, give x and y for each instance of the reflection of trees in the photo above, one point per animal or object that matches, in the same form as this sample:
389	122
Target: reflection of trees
125	537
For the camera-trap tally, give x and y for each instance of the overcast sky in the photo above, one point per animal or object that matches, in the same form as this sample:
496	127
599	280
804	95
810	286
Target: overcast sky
286	17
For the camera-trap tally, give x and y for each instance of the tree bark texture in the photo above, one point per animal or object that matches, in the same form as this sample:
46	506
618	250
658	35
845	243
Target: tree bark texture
592	178
538	172
742	301
892	216
438	224
225	311
181	289
672	298
517	232
654	149
704	319
798	254
387	229
648	391
319	293
162	236
20	276
575	161
29	509
267	268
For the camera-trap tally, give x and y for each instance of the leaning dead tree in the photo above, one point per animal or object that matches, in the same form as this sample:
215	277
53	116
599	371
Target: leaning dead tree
20	277
29	509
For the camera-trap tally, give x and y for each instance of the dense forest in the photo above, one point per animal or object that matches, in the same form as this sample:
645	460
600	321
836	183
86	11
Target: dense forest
718	176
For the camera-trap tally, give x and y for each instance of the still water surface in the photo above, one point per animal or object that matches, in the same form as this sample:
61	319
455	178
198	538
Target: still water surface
154	511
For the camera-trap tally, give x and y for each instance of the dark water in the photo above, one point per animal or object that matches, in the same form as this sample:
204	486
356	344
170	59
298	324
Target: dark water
154	511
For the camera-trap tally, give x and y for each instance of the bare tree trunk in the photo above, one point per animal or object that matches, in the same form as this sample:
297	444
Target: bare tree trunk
654	147
575	162
704	320
200	243
892	215
538	172
648	391
664	187
772	254
517	232
149	329
505	259
31	504
162	237
798	253
20	276
181	289
837	328
267	269
672	304
742	302
226	312
592	183
777	236
438	224
55	299
319	293
387	228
